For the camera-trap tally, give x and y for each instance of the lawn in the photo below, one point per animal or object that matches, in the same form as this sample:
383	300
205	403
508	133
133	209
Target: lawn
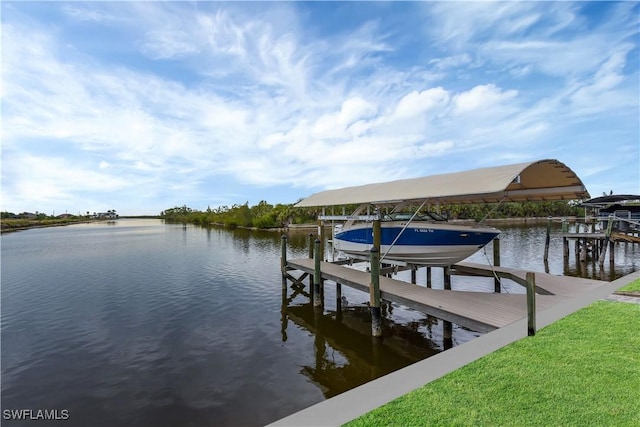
633	286
582	370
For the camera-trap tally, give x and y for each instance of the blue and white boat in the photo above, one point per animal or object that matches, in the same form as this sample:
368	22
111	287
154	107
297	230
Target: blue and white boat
427	240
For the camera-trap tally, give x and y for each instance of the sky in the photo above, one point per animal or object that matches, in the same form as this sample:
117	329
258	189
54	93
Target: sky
143	106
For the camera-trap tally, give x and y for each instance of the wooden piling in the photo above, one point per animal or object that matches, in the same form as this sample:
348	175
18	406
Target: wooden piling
447	277
310	241
311	246
565	241
283	254
496	262
547	240
611	252
317	297
321	233
447	334
607	236
377	235
428	277
531	303
413	274
374	293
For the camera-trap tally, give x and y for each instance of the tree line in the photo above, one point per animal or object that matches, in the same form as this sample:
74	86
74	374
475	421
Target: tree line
265	215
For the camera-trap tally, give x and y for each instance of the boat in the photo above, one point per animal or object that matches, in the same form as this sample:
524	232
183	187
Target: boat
427	239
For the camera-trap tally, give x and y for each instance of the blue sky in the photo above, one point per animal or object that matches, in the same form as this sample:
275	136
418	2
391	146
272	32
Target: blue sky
142	106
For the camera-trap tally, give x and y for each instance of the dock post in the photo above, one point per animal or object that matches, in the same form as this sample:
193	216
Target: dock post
311	244
374	293
428	277
413	274
496	262
611	252
447	335
377	235
447	277
311	240
547	240
565	241
283	261
320	249
317	297
607	235
531	303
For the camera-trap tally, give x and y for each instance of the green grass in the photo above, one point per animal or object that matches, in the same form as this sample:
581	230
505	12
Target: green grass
633	286
583	370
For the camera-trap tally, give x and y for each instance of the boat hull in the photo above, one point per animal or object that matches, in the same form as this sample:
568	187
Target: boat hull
423	244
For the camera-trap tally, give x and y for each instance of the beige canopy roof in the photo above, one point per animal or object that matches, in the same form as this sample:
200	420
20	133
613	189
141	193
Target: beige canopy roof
533	181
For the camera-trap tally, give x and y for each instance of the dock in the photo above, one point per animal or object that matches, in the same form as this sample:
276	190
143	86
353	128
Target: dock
596	244
537	181
479	311
546	284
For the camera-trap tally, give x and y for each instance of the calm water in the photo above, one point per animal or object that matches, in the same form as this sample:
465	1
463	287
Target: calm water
141	323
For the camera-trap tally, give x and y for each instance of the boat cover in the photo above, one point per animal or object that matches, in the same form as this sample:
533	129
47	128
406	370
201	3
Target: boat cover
540	180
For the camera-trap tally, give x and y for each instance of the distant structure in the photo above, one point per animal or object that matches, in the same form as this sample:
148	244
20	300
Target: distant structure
110	214
623	209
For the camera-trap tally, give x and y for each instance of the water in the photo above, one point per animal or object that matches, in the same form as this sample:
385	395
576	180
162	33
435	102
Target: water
141	323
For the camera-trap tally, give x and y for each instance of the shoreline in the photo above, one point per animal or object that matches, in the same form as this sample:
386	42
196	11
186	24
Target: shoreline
5	228
291	227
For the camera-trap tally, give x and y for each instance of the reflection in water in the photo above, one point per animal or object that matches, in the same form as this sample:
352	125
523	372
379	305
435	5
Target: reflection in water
345	353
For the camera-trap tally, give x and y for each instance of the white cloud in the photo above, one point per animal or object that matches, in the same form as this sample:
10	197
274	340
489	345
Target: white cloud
482	99
223	34
48	180
417	103
356	108
86	13
454	61
167	44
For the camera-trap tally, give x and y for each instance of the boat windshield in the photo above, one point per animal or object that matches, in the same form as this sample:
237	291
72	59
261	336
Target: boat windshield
436	216
401	216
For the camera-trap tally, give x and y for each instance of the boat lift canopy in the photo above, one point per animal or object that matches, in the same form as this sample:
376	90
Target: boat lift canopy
542	180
